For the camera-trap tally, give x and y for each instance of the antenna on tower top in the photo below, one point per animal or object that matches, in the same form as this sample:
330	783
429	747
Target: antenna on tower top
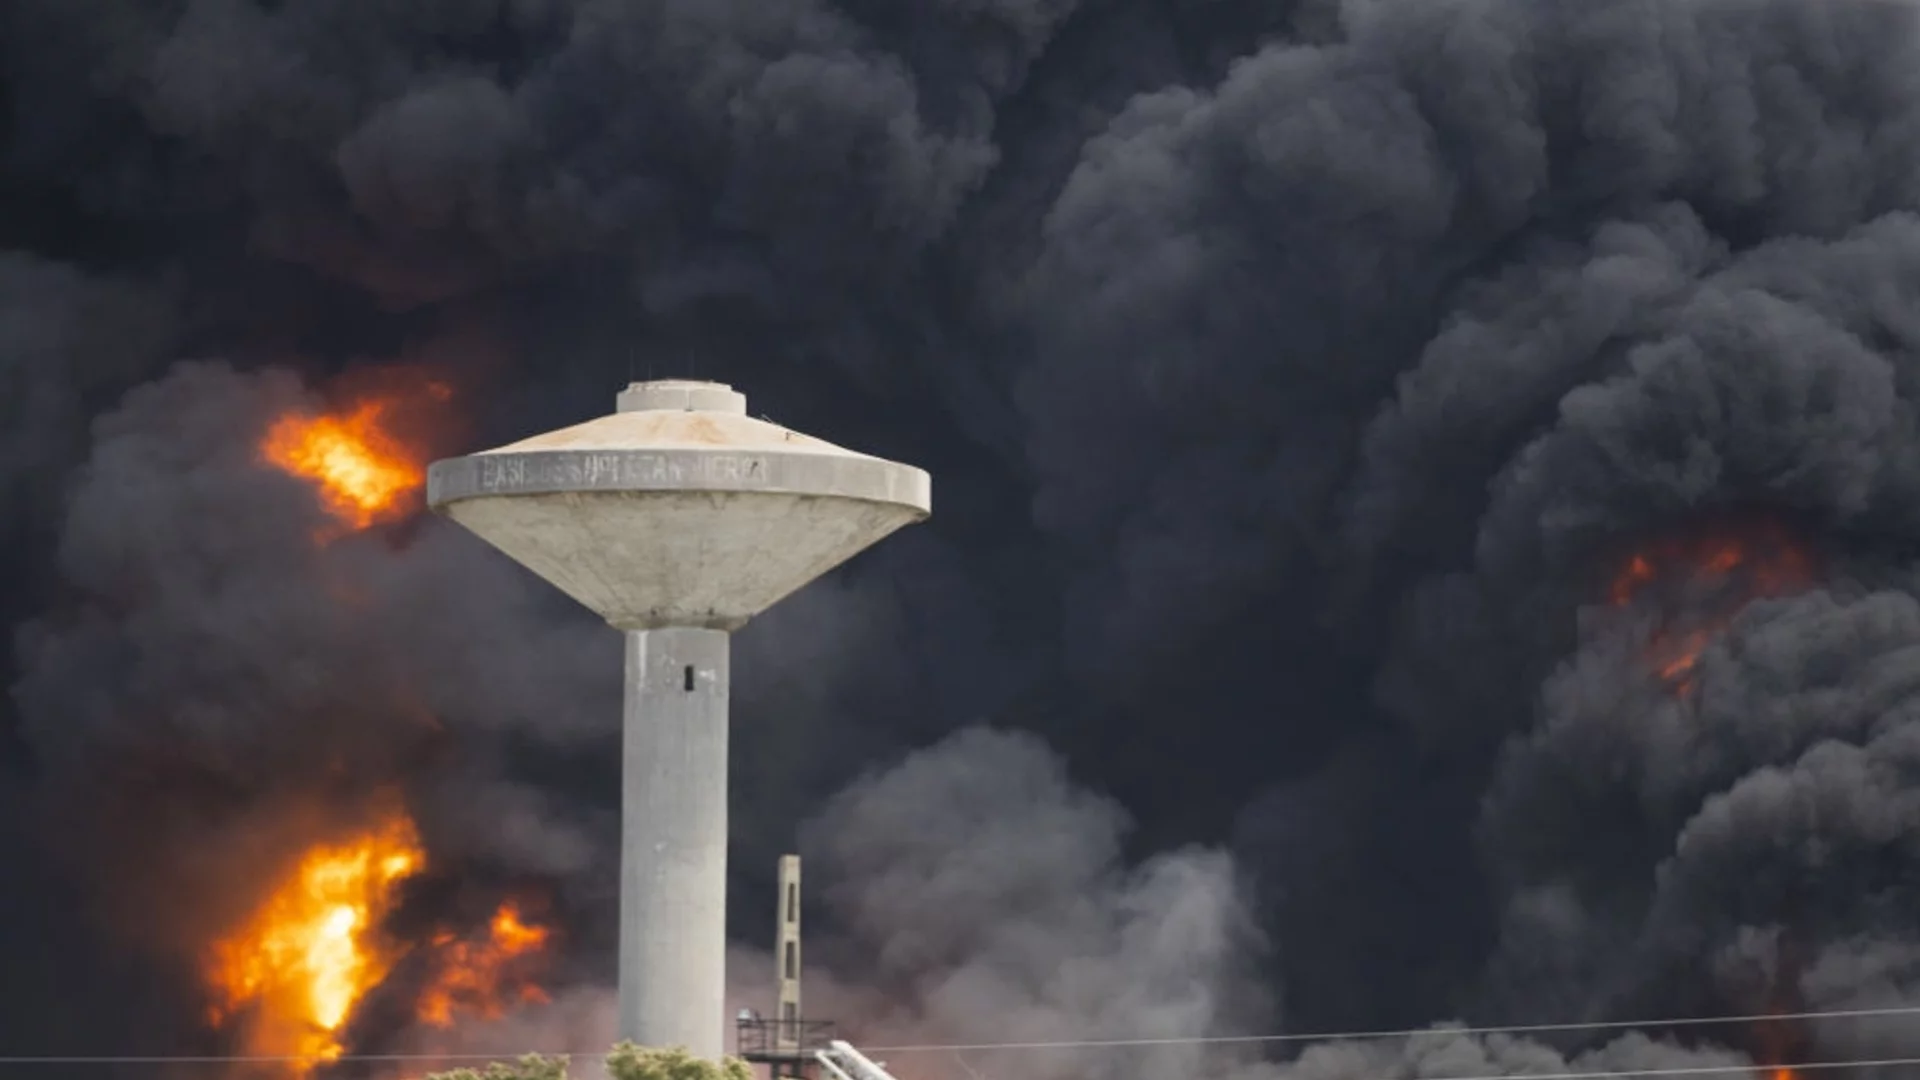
789	1045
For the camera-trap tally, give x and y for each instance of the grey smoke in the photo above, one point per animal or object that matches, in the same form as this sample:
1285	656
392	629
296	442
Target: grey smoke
66	340
1044	933
1445	1053
972	893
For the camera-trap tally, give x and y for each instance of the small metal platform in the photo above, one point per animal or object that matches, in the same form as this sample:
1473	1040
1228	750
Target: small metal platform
786	1047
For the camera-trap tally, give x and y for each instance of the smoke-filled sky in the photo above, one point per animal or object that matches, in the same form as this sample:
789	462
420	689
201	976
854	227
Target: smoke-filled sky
1341	413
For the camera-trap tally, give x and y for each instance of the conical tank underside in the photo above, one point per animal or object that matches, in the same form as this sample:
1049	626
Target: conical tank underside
678	510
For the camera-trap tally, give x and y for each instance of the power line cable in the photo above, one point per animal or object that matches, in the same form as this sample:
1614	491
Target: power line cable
1698	1070
1599	1074
1410	1033
1092	1044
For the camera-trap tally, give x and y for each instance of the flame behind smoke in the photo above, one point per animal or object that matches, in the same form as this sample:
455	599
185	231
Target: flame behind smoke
1701	579
1779	1040
313	948
480	974
1753	558
362	470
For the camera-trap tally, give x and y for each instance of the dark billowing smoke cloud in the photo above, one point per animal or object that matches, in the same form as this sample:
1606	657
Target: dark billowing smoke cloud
217	691
1296	377
1776	806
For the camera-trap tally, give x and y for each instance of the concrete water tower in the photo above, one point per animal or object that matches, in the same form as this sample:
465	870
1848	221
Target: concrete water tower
676	519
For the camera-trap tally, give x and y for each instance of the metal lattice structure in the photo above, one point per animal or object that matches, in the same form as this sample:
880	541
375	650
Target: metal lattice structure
772	1041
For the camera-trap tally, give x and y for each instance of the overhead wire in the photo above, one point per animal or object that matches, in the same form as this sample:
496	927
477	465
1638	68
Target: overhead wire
1596	1074
1431	1031
1438	1029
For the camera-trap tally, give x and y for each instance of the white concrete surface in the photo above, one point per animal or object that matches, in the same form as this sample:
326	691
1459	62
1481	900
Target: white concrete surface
673	854
678	518
711	559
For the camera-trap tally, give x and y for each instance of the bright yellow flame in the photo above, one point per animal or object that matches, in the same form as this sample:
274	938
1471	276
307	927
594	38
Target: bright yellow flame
361	471
309	953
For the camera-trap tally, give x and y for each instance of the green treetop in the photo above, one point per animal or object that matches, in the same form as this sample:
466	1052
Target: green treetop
626	1062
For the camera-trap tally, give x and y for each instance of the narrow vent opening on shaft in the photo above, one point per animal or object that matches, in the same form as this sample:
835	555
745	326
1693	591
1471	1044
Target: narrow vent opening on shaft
688	678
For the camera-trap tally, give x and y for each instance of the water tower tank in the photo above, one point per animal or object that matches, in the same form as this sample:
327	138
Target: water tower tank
676	519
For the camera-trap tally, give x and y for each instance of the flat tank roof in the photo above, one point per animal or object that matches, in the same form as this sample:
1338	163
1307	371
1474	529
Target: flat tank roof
678	509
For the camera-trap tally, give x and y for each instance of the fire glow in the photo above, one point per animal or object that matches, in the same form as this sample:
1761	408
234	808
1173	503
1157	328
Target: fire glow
1700	580
475	974
287	981
312	949
1777	1042
362	470
1781	1038
291	977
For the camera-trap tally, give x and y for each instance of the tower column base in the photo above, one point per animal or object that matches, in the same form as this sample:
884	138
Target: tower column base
673	843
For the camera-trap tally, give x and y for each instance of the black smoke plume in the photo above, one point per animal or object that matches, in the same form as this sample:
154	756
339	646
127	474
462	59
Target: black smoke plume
1297	378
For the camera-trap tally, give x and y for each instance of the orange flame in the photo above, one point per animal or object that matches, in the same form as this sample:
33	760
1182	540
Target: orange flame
1780	1038
363	471
1776	1046
312	950
294	973
479	974
1716	572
